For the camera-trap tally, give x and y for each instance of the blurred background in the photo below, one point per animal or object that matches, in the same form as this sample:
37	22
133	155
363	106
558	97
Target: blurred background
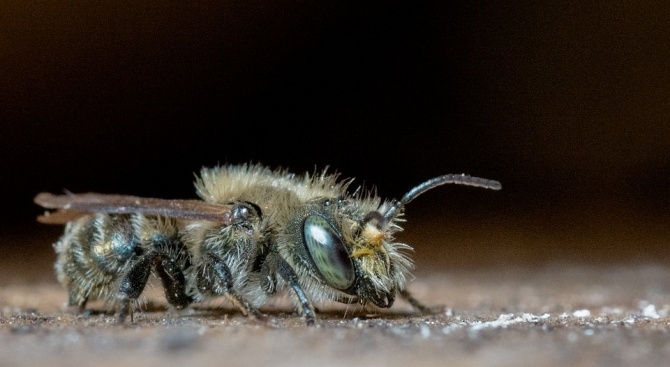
567	104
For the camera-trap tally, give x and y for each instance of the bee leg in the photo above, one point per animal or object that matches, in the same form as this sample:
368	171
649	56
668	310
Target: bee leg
132	285
222	272
418	305
173	281
75	300
288	274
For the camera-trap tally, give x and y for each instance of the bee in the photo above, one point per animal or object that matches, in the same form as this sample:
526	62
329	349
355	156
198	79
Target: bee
256	232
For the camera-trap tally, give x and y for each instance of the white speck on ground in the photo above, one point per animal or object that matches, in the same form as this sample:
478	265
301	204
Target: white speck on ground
582	313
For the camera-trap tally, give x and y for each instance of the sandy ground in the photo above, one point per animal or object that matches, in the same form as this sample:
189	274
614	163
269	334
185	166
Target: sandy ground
560	313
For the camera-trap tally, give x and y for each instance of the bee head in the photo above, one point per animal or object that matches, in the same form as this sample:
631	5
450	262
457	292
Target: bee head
359	258
353	258
386	269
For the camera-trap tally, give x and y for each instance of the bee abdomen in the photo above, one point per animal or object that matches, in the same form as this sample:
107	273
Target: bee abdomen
92	254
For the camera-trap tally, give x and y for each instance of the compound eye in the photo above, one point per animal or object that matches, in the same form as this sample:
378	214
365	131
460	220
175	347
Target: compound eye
328	252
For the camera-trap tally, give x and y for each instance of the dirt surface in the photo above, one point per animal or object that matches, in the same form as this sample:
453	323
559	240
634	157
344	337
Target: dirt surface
573	316
499	312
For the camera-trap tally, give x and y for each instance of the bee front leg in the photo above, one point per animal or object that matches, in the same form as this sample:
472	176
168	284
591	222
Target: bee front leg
418	305
280	266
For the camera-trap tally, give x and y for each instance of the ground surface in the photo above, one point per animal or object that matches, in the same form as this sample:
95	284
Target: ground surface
505	313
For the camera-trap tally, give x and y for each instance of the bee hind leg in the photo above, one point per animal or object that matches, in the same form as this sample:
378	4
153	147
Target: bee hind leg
174	282
77	302
131	287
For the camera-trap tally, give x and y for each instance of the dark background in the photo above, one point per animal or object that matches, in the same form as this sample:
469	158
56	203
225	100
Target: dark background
568	105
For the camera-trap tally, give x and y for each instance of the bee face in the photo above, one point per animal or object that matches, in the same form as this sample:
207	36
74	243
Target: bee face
343	253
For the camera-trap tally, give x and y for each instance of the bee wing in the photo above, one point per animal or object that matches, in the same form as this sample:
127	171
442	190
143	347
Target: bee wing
59	216
71	206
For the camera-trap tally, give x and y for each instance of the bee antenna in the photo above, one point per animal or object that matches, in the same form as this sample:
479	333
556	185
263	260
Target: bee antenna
456	179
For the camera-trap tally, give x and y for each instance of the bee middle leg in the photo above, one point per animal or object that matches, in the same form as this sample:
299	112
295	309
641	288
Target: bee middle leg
225	280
